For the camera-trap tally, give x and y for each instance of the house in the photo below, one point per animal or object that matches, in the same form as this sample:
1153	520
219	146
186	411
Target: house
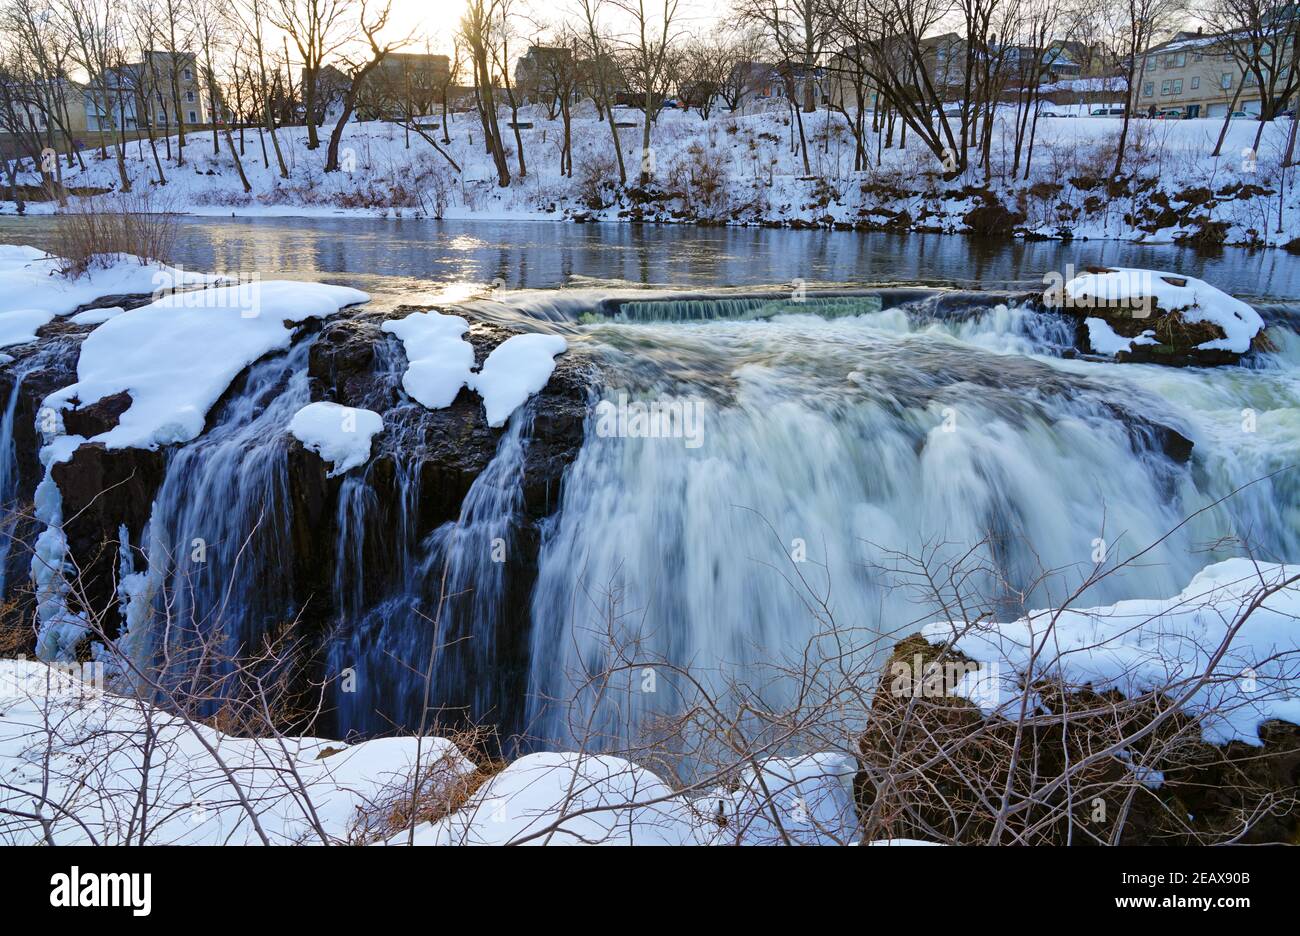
537	71
403	84
1200	75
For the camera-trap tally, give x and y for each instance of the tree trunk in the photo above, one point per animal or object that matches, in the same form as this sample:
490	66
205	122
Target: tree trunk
239	163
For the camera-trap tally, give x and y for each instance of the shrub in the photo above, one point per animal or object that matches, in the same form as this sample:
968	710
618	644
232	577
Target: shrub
92	232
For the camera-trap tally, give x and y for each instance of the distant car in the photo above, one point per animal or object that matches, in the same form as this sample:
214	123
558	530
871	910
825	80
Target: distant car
1107	112
669	104
1059	114
1170	113
1241	115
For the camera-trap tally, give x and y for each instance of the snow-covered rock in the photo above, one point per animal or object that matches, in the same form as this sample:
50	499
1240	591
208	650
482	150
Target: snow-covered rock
176	356
440	361
515	370
1143	644
340	435
1150	294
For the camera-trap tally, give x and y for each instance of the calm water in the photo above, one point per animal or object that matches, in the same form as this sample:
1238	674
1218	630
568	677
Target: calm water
383	255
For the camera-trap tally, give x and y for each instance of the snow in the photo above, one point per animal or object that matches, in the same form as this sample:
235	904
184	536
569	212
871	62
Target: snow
341	435
1195	300
33	291
96	316
570	798
177	356
440	361
763	180
1103	339
94	748
1142	644
515	370
95	751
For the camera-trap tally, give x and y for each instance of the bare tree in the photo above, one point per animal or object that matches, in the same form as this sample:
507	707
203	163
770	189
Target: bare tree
358	70
601	72
647	51
318	30
478	30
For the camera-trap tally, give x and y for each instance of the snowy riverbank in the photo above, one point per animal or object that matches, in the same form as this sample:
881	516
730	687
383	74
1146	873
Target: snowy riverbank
743	169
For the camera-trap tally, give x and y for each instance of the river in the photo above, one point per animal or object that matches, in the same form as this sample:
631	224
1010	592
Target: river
839	448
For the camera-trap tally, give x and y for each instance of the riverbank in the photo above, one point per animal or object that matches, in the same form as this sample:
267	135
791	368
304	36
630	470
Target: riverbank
747	171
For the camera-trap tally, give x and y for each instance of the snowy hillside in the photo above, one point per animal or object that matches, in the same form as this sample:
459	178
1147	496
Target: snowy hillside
747	169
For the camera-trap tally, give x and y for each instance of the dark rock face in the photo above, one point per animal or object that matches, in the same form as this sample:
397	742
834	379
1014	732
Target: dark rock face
436	454
1205	790
439	454
104	490
354	363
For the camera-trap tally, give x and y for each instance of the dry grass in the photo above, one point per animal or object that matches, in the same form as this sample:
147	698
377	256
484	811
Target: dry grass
441	787
91	232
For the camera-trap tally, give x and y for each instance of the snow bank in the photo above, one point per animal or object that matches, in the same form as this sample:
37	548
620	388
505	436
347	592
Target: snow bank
1195	300
570	799
33	291
440	361
95	762
516	369
96	765
177	356
1142	644
341	435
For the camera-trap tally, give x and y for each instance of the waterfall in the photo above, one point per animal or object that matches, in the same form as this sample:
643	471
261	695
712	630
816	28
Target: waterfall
832	447
444	626
218	545
9	469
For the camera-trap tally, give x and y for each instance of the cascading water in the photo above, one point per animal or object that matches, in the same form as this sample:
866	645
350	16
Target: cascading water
217	539
854	441
9	468
843	439
430	651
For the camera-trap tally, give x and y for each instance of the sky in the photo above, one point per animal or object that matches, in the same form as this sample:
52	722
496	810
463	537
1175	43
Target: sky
437	20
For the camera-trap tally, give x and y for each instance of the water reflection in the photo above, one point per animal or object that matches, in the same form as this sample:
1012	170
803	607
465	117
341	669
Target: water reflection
382	254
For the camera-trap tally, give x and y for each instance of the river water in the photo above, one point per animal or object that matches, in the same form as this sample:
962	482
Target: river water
838	446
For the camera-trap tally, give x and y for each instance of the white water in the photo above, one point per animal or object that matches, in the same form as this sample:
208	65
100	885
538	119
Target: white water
859	439
218	577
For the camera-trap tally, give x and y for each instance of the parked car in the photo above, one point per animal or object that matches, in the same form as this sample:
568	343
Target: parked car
1059	114
1107	112
1170	113
1241	115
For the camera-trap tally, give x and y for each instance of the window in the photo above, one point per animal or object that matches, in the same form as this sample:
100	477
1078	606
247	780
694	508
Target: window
1225	80
194	118
1148	89
1197	56
1178	60
1165	86
1178	86
189	97
189	75
1196	83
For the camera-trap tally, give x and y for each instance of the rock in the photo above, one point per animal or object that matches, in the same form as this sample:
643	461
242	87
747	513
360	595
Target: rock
97	417
927	758
104	490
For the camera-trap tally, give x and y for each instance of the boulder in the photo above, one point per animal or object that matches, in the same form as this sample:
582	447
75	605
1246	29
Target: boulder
933	764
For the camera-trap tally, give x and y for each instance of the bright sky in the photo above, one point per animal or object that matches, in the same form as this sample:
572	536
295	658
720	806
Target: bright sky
437	20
